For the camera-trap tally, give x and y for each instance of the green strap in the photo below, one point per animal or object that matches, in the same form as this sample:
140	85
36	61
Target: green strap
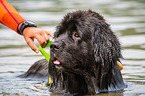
48	45
44	53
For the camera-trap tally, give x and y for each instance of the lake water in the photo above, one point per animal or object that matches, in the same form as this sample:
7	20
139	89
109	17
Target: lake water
127	19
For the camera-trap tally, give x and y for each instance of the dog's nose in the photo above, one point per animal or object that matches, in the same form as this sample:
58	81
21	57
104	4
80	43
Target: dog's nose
55	46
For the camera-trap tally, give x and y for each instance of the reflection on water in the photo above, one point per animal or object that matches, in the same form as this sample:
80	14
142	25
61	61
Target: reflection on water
127	19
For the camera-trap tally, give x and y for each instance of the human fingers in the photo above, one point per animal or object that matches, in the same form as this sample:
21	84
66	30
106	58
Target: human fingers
46	37
31	44
50	33
42	39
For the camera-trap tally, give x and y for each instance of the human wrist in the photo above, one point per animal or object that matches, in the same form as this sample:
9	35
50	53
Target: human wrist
24	25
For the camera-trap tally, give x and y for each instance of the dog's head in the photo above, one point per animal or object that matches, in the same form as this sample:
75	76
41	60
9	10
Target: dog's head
85	50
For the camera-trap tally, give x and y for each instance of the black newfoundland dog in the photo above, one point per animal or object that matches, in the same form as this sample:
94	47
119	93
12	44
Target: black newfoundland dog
84	57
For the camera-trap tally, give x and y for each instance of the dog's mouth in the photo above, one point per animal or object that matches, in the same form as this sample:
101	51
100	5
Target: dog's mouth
57	64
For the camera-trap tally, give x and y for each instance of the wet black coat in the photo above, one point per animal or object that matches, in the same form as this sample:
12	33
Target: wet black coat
88	52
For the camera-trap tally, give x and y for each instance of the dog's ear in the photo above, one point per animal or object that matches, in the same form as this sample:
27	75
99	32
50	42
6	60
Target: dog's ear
106	46
107	51
98	44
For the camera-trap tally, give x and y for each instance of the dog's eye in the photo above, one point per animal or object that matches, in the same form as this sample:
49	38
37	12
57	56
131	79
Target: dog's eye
76	35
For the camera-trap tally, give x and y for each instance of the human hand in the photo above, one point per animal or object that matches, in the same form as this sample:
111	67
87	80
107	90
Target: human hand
41	35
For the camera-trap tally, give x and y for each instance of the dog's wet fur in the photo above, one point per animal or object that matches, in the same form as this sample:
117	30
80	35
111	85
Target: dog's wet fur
84	57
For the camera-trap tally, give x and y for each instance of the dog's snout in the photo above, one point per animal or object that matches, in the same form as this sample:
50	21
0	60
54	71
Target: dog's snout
55	45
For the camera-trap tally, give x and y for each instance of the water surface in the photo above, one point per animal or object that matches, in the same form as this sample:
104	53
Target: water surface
127	19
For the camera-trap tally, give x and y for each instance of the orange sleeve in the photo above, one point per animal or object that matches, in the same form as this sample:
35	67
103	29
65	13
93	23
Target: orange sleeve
9	16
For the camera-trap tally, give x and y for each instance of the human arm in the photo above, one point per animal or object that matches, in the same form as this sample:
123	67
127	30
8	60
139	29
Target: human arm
9	16
12	19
